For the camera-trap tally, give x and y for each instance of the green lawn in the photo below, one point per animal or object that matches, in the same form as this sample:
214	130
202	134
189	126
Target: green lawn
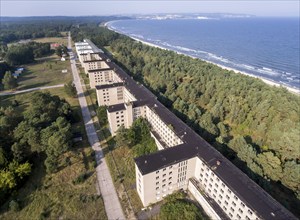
45	71
59	40
54	196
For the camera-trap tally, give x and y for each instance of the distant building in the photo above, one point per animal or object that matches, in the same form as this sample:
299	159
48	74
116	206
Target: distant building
53	46
16	75
184	160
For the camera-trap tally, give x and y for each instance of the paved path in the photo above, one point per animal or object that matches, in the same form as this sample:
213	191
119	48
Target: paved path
111	202
30	90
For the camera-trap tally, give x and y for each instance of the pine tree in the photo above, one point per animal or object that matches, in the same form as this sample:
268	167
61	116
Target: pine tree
9	82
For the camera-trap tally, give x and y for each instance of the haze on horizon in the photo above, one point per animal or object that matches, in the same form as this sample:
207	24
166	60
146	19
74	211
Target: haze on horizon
82	8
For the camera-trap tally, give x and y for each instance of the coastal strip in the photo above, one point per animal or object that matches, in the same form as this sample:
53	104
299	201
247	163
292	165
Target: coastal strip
267	81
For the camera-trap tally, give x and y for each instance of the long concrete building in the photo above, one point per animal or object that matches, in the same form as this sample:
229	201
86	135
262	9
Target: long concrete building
184	160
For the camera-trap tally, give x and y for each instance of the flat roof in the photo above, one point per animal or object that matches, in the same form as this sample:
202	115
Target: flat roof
94	60
111	85
116	108
195	146
99	70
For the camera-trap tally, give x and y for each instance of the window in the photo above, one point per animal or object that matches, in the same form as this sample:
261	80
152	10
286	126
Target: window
247	217
157	172
238	216
226	202
235	197
240	210
170	173
164	180
233	203
224	208
170	183
157	188
242	204
230	215
214	195
229	191
170	167
227	197
164	185
231	209
216	185
222	191
164	175
221	197
170	178
223	184
250	212
164	169
218	179
213	174
219	201
157	177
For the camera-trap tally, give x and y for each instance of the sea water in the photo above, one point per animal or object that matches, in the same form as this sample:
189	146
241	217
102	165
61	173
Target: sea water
264	47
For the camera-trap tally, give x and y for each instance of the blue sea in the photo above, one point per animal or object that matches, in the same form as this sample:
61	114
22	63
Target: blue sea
264	47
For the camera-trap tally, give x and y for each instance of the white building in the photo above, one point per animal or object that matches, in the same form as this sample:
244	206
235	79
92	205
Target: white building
184	160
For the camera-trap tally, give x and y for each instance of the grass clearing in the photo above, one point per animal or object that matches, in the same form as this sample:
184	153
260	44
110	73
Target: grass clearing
45	71
121	165
59	40
55	196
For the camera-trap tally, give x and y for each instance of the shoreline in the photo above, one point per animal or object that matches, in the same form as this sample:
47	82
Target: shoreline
267	81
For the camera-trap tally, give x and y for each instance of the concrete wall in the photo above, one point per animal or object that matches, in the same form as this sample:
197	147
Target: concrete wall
109	96
202	201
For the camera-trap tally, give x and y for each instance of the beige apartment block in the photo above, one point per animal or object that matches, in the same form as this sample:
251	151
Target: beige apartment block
154	186
124	114
110	94
184	161
94	64
102	77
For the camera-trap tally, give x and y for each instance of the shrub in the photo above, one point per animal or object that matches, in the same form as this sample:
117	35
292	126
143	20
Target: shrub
14	206
80	179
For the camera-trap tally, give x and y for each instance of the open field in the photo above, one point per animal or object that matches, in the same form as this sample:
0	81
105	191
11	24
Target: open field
55	196
45	71
59	40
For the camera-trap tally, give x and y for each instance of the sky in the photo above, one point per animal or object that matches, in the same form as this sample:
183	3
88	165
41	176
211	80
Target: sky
99	7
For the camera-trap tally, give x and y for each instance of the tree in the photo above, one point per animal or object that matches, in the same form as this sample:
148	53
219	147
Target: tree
51	164
70	89
7	180
18	55
291	175
102	115
9	82
271	165
184	209
122	137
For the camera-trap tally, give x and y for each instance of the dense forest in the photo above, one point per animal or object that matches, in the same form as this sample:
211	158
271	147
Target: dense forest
43	130
254	125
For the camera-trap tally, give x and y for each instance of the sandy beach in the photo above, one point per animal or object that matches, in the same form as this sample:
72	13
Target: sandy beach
267	81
